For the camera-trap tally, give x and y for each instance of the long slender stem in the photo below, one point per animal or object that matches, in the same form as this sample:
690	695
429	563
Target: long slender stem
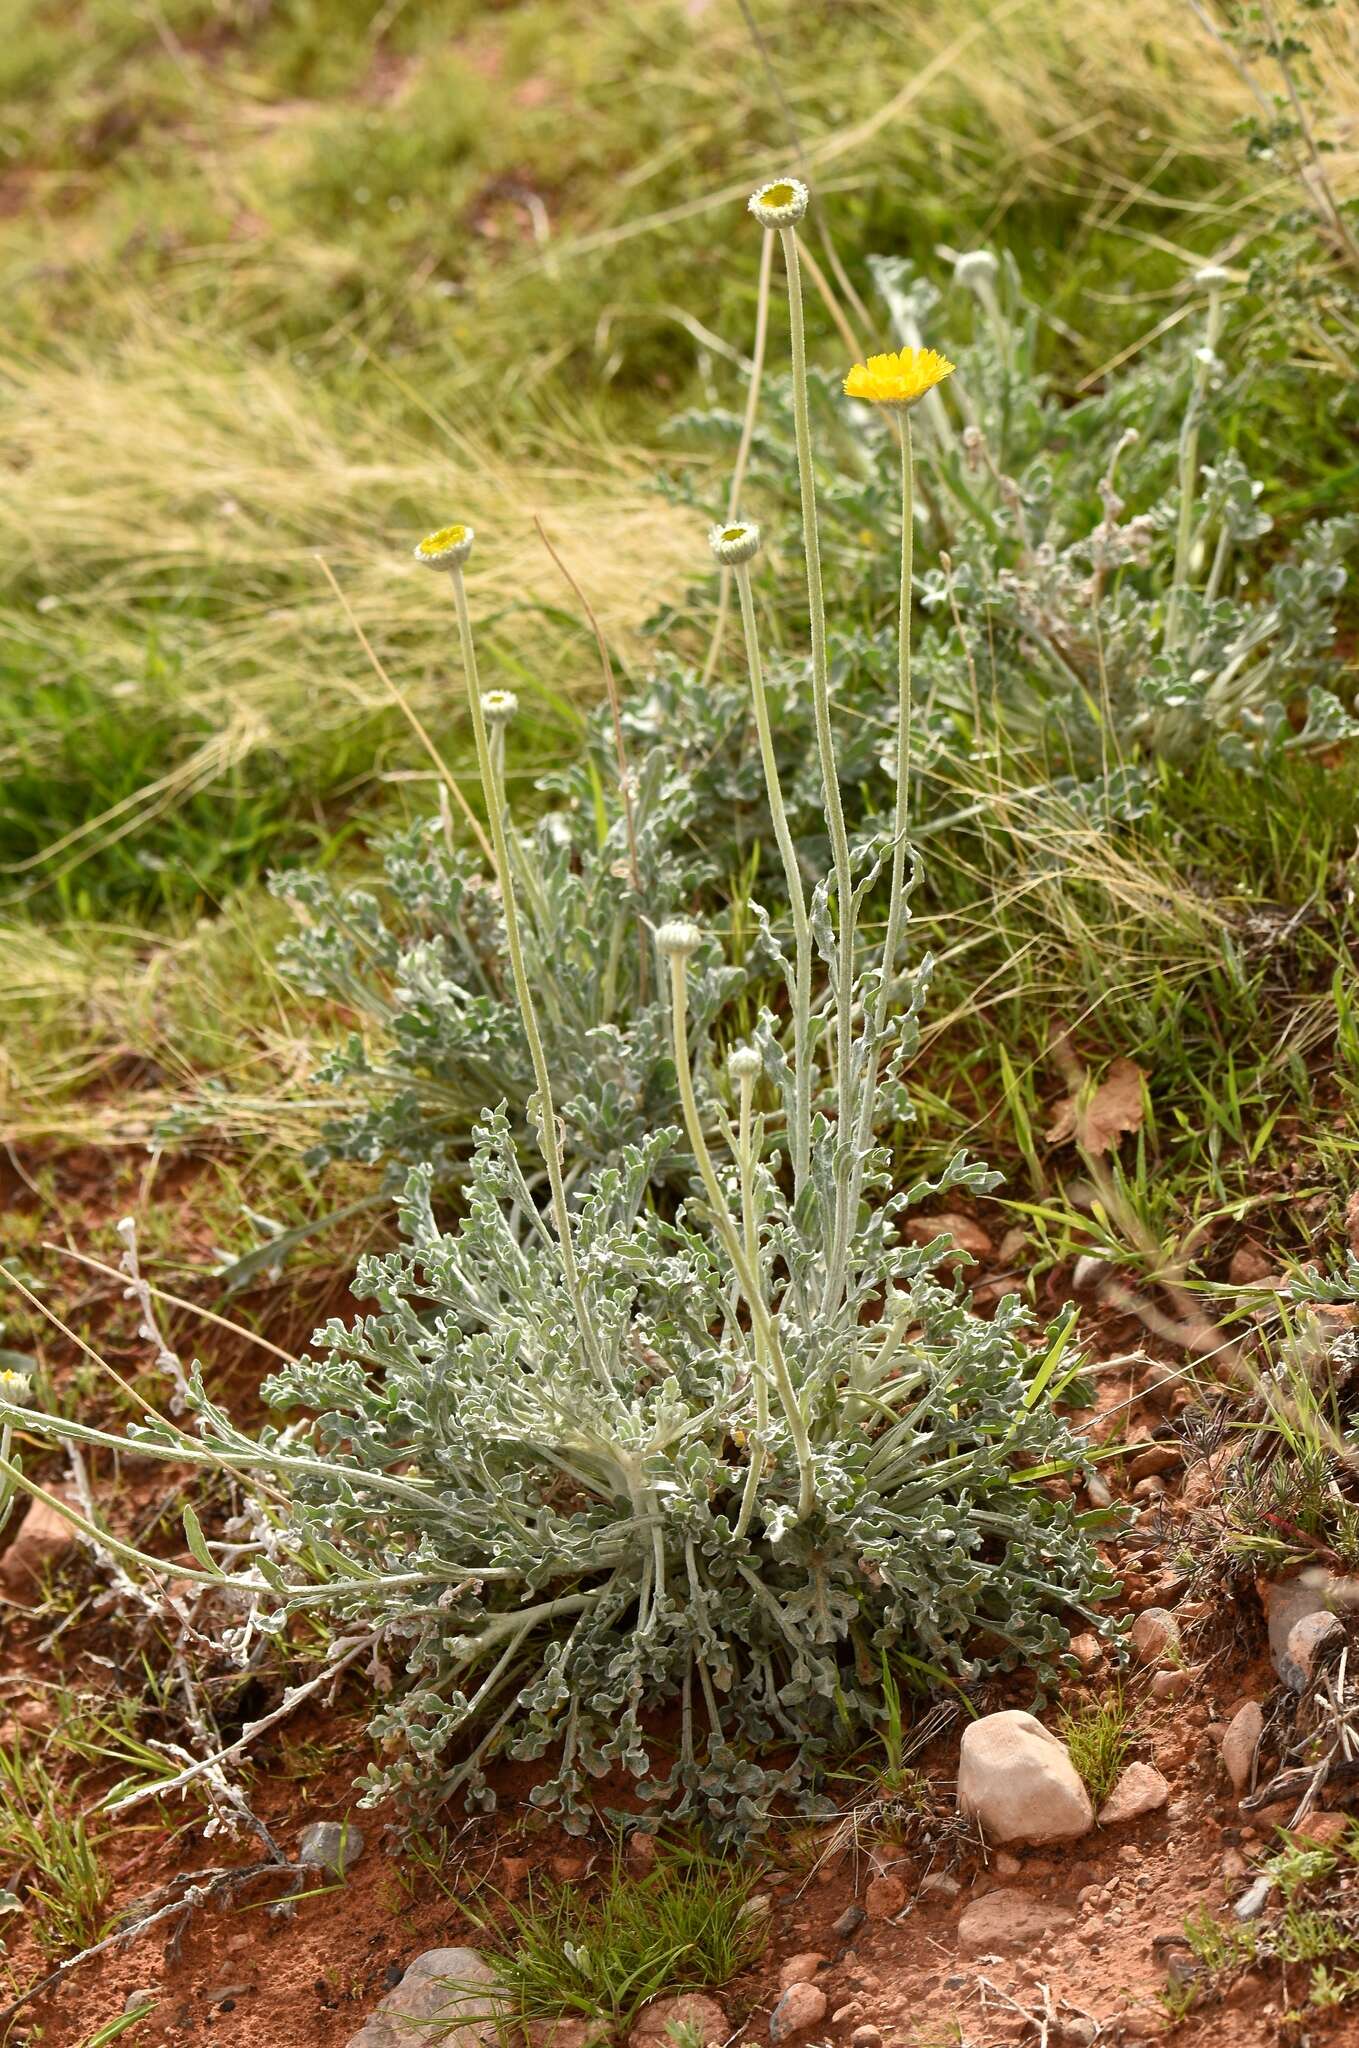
547	1114
830	778
797	900
738	474
751	1233
762	1323
901	820
901	817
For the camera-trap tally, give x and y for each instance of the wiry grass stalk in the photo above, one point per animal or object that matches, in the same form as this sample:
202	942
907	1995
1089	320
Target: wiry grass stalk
547	1114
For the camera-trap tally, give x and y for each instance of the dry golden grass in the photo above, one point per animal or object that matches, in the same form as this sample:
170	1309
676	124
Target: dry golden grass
179	470
172	473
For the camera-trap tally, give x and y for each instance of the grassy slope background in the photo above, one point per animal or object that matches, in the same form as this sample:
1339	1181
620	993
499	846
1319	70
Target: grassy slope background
289	281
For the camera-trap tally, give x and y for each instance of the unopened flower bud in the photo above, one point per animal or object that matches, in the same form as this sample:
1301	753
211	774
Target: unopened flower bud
678	937
735	543
780	204
446	549
744	1063
498	706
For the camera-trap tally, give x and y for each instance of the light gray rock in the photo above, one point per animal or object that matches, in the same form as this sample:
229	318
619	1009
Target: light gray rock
1155	1636
335	1845
1003	1921
141	2001
1140	1790
801	2006
1310	1642
800	1969
447	1995
1017	1781
1288	1601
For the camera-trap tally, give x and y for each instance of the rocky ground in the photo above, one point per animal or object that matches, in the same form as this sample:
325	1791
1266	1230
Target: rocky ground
980	1895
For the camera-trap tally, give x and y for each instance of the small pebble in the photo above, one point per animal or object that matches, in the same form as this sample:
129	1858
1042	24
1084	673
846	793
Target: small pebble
801	2006
940	1887
800	1969
884	1897
1087	1653
335	1845
1155	1636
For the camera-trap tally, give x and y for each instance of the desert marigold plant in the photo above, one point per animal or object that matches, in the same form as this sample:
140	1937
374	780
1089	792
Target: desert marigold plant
595	1456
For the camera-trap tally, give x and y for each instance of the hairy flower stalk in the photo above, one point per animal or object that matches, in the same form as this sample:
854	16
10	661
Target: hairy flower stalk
736	544
779	207
1205	361
547	1115
738	473
744	1068
677	942
897	383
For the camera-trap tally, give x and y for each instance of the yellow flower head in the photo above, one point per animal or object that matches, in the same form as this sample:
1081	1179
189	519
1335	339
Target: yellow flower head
901	379
14	1386
446	549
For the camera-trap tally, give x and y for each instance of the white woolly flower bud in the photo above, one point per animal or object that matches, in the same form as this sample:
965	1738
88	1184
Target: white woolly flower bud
781	203
744	1063
678	937
498	706
446	549
976	268
735	543
1212	277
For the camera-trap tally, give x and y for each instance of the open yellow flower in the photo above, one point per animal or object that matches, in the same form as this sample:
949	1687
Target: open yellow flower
900	379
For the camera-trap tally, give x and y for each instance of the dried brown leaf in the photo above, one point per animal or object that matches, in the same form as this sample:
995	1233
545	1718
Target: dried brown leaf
1099	1119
